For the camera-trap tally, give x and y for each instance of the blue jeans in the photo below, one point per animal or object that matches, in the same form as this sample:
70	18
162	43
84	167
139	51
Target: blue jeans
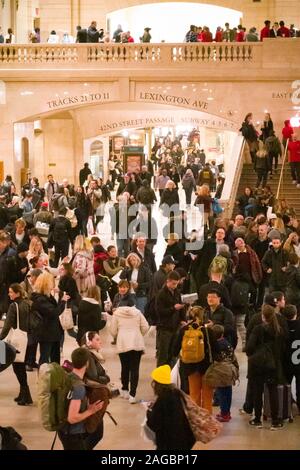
224	395
141	303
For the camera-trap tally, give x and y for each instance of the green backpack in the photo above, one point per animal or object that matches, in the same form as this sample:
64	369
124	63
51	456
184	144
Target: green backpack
55	387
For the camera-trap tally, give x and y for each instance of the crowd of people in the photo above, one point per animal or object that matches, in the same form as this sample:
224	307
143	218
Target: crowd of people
93	34
245	275
266	149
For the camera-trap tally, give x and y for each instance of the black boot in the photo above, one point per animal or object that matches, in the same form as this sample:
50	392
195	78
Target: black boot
18	398
25	397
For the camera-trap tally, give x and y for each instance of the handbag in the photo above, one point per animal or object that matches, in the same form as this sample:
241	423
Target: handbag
203	425
95	392
221	374
18	339
66	319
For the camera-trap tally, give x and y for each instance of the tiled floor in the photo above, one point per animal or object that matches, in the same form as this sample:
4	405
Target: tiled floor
127	435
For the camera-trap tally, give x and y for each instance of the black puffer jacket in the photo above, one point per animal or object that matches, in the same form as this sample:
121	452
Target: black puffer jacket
47	307
89	318
293	285
264	334
168	420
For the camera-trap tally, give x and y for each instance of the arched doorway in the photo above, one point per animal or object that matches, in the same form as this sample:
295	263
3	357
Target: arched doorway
25	160
170	21
96	158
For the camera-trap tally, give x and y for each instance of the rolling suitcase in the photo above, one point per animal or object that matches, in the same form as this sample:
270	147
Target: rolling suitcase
284	400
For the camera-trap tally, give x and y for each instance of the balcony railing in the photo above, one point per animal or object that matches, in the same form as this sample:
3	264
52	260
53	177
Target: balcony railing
129	53
268	54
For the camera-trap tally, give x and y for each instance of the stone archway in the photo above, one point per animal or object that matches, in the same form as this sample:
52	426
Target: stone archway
170	21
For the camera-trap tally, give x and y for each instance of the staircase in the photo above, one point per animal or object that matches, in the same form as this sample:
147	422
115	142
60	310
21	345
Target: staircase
288	190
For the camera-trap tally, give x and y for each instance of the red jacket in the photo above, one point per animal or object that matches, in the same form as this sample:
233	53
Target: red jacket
240	37
287	132
294	151
99	257
265	33
219	36
206	36
283	32
256	269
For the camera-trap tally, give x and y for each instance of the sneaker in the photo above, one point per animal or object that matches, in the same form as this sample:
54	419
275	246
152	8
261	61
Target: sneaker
242	411
275	427
124	394
223	418
298	186
132	400
255	423
294	182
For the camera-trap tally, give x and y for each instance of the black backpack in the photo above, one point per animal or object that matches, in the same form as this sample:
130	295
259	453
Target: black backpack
239	294
60	231
10	439
103	282
151	313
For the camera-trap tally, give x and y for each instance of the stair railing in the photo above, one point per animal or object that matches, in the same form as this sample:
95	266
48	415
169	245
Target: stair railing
233	176
282	169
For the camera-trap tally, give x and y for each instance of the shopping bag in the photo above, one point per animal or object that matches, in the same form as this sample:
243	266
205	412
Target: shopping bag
18	339
66	319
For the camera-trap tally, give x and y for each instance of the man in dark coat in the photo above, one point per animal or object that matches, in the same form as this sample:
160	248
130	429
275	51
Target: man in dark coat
84	173
205	256
167	265
275	263
93	34
217	314
171	314
147	257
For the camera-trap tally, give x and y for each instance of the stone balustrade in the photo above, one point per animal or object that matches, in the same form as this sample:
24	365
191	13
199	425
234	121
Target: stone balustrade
237	59
100	55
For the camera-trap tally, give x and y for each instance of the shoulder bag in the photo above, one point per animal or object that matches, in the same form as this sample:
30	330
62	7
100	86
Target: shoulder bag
18	339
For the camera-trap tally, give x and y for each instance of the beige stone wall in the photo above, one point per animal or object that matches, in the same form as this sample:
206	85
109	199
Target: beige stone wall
66	14
58	139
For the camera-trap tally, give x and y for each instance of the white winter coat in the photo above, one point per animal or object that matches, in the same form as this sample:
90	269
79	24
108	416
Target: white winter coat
129	326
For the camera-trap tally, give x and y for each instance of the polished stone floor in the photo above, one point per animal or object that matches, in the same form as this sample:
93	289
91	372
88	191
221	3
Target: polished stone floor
127	435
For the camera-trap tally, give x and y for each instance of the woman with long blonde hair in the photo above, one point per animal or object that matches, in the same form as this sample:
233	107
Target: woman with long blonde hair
50	333
83	265
36	250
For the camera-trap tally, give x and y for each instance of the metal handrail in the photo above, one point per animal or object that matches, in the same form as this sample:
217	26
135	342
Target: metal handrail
282	169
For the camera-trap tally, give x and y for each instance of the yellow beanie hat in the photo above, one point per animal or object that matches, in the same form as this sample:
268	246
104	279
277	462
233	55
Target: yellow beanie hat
162	375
